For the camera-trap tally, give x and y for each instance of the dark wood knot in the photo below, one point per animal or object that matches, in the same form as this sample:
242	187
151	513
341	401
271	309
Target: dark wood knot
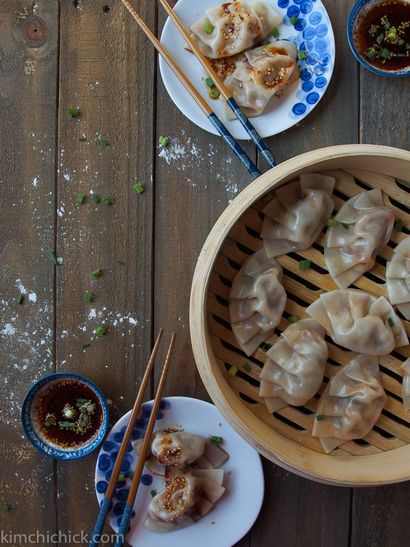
35	31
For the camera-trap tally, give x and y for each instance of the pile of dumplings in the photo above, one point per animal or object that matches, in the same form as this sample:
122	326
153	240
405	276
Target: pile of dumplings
369	326
227	35
190	466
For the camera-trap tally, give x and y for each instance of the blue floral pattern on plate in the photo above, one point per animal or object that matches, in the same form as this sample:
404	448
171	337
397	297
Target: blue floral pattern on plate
108	455
316	50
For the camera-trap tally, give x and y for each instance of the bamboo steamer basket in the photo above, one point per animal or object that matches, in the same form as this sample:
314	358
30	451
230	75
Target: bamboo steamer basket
383	456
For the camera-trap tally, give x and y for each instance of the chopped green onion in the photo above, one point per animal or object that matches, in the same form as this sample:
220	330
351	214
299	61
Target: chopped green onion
153	493
82	138
371	53
97	273
100	331
399	225
20	299
163	141
106	200
275	32
373	29
345	226
301	55
88	296
246	366
138	188
400	42
330	222
208	27
80	199
320	417
305	265
53	258
214	93
6	507
380	38
103	142
209	82
95	198
392	34
293	319
73	111
390	321
293	20
215	440
265	346
385	53
233	371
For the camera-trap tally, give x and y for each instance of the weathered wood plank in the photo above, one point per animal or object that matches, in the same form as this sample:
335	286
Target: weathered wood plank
379	514
28	75
105	68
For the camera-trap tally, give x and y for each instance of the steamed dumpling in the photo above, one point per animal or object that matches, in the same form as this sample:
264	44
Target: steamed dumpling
398	277
294	371
297	214
177	448
256	301
351	403
232	27
406	384
359	321
260	74
186	498
363	227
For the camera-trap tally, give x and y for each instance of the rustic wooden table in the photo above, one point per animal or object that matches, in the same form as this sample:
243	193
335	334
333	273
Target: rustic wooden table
88	53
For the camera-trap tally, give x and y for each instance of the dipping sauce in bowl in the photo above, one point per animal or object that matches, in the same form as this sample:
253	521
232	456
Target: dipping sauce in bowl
382	35
65	416
67	413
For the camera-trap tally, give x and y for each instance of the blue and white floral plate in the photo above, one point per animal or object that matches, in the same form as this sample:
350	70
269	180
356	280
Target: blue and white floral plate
305	22
235	512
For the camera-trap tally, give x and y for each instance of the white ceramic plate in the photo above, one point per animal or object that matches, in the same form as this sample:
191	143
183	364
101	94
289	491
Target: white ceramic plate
235	512
305	22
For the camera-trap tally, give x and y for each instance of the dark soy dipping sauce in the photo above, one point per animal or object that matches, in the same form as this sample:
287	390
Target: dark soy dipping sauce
382	35
53	399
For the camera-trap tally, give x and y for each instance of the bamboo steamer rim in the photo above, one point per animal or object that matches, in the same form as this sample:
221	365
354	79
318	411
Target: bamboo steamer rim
363	470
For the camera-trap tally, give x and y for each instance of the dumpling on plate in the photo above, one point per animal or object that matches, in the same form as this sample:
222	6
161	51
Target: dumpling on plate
359	321
256	301
297	214
177	448
351	403
232	27
398	277
406	384
294	371
361	228
260	74
186	498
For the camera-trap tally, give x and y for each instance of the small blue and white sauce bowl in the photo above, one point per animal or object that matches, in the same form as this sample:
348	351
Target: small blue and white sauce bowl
65	416
378	32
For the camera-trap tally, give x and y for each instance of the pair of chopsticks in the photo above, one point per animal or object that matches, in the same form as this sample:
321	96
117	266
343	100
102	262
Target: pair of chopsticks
213	118
105	507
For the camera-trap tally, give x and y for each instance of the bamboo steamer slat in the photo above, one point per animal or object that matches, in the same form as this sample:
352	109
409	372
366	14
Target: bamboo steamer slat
285	437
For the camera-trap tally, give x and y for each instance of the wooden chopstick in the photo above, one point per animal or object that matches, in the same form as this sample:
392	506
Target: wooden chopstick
126	516
99	525
213	118
237	110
